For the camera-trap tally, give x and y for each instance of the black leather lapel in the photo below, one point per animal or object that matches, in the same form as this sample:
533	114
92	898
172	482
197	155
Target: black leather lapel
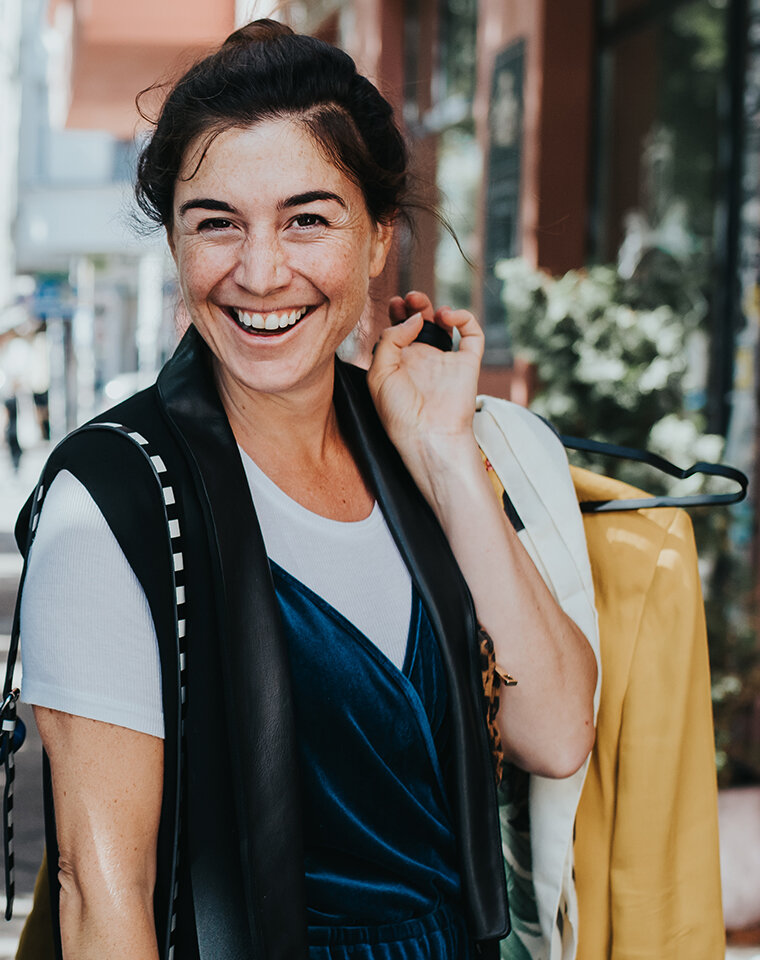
443	590
253	651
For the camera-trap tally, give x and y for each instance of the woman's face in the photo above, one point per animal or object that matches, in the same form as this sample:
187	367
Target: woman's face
275	249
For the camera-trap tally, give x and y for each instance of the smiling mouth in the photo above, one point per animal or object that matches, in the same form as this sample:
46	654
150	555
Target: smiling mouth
268	324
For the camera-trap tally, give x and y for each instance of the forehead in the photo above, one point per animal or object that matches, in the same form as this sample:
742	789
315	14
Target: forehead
271	159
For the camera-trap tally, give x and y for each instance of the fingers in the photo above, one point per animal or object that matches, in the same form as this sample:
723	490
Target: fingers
403	333
400	308
397	310
393	339
386	354
470	331
415	302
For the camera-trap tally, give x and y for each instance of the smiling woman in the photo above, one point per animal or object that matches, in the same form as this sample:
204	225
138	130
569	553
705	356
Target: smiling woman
267	734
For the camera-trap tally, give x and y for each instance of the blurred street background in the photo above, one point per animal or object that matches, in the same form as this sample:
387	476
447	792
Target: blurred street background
600	163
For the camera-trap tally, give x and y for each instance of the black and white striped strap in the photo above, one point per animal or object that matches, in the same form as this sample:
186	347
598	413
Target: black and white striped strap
8	715
8	743
10	695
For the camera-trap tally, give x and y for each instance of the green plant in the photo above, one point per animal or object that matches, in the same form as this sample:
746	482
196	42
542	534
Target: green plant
611	354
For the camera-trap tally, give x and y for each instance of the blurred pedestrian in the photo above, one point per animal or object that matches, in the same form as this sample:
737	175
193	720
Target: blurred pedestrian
39	380
11	430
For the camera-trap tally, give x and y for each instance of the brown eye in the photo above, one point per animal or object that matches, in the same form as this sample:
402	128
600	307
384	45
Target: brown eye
214	223
308	220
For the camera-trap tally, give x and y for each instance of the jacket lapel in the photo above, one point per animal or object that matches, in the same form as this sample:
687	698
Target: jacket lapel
253	650
448	602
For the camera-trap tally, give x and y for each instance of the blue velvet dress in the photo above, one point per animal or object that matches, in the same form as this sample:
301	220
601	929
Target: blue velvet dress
380	853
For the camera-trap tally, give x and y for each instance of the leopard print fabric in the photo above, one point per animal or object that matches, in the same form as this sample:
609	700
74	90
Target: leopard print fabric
493	678
491	687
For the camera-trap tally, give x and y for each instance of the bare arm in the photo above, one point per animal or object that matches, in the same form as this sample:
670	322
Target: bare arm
426	399
107	794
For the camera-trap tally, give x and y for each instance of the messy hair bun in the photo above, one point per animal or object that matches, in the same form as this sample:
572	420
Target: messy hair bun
264	71
258	31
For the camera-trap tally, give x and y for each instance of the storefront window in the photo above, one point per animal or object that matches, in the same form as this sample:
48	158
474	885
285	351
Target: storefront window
663	182
667	214
439	118
459	166
457	46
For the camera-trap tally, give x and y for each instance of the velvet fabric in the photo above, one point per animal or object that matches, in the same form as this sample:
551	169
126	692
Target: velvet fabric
379	844
436	935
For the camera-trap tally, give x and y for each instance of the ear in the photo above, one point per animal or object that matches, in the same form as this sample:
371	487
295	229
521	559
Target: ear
381	245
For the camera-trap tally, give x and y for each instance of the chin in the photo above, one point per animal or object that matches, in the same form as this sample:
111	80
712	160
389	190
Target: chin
276	375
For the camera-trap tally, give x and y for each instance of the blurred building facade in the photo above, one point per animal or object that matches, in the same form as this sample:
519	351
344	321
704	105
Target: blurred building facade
102	288
10	97
623	133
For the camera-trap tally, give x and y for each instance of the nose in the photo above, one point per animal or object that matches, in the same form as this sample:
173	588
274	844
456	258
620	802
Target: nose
262	266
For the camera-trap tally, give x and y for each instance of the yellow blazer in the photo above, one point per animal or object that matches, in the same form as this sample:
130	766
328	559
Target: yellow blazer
646	843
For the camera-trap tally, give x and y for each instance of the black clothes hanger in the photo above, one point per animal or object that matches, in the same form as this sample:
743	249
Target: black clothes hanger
434	335
665	466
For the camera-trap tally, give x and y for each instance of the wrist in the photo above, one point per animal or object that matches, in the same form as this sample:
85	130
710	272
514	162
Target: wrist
447	469
443	449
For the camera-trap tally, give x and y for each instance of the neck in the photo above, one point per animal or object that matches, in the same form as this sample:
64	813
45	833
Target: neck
300	424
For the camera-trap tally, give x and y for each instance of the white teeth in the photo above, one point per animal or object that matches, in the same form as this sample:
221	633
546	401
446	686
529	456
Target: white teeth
270	321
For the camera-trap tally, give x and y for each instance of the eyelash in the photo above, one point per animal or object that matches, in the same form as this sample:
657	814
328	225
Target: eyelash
314	217
222	223
214	223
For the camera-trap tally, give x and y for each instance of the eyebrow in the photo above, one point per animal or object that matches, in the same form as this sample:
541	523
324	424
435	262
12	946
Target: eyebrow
309	197
299	199
205	203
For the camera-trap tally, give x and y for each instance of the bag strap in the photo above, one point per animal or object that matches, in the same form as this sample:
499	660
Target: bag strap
9	719
171	515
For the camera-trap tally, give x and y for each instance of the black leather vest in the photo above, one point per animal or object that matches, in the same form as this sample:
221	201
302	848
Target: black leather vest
240	868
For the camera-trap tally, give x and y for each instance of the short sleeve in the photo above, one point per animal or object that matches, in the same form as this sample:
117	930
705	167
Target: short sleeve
88	642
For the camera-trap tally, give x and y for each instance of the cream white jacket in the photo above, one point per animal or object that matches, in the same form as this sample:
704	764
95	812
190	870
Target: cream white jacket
531	463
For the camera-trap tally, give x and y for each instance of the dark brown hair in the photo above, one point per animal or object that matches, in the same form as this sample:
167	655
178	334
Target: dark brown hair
265	71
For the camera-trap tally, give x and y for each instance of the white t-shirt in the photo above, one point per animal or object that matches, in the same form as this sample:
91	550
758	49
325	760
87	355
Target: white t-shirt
88	644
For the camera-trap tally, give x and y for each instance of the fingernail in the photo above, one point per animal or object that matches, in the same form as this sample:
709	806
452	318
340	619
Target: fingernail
414	316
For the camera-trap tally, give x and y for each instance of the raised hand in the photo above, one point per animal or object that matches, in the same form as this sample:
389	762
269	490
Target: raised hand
424	396
426	399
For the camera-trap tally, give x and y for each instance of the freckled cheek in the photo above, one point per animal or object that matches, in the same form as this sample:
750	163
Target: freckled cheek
198	275
344	273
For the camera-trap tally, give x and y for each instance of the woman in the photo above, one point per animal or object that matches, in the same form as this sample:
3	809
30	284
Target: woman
328	751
